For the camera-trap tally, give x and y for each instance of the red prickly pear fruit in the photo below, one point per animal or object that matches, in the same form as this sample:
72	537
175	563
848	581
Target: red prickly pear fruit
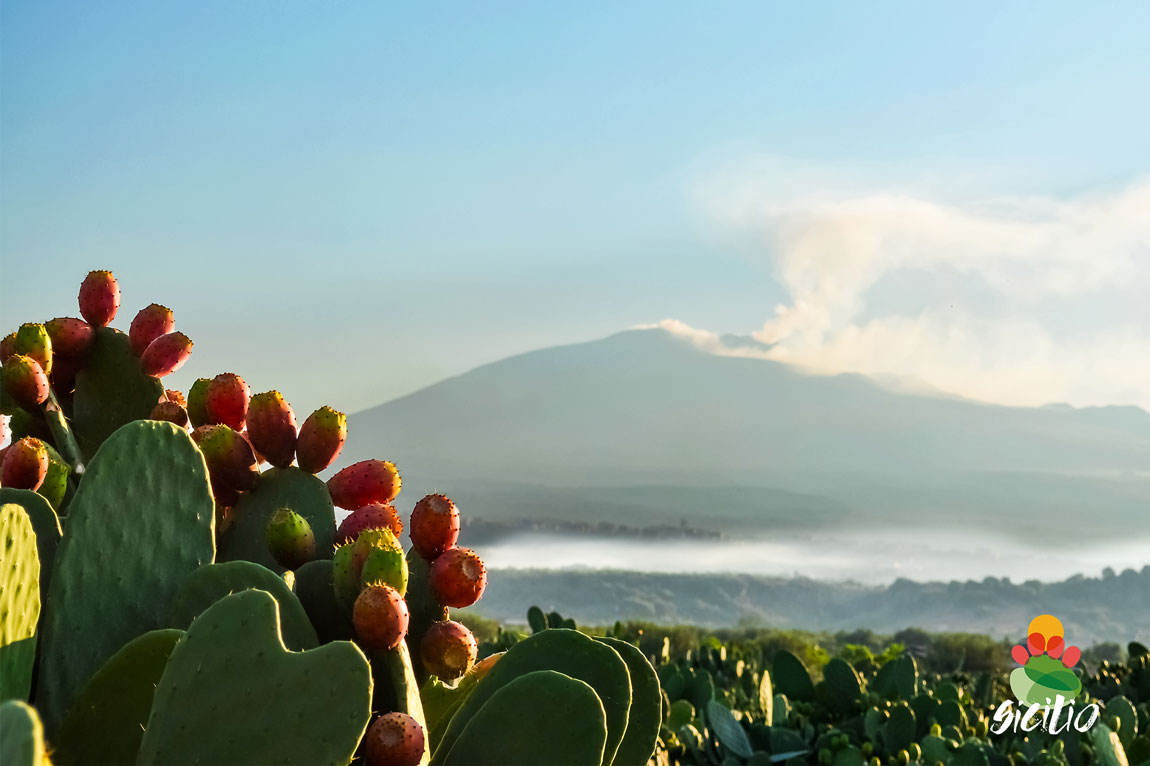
380	618
197	402
7	347
166	354
171	412
172	395
448	650
99	298
231	462
32	340
395	739
25	464
70	336
291	540
271	428
150	323
434	526
370	516
320	439
25	381
458	577
368	481
226	400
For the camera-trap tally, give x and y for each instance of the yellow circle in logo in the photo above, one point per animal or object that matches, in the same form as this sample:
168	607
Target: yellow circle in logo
1046	625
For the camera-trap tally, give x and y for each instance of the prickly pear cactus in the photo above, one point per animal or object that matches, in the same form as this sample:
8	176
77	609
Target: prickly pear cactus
141	521
256	702
211	582
46	525
21	735
19	602
111	390
279	488
568	652
106	723
791	677
646	706
314	586
568	726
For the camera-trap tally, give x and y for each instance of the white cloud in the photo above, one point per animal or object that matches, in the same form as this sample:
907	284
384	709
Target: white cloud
830	250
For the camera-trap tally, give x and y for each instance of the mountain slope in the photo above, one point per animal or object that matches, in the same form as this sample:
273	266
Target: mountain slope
645	408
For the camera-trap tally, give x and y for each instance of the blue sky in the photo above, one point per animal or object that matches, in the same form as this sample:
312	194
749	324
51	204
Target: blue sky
347	200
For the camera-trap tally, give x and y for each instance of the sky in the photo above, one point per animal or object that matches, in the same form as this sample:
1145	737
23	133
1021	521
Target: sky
350	200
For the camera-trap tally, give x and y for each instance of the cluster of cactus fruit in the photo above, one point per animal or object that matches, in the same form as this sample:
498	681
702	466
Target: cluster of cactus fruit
174	587
725	706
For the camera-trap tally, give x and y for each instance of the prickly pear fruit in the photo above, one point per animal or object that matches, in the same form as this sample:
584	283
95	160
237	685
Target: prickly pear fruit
291	540
99	298
151	322
448	650
345	574
370	516
197	406
380	618
25	464
271	428
172	395
395	739
25	381
64	371
171	412
70	336
434	526
368	481
458	577
231	462
384	561
32	340
321	439
226	400
166	354
7	347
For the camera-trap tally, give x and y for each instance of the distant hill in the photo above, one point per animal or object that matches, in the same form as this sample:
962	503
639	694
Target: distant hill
643	428
1115	607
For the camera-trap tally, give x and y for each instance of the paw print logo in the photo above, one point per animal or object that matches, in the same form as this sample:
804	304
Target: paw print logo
1046	663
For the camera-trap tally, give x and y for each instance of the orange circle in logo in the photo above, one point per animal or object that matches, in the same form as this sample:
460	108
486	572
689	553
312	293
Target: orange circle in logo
1046	625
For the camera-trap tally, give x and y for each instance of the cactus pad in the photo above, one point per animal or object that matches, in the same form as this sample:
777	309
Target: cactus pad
46	525
539	717
256	702
21	735
111	390
279	488
571	653
141	521
19	602
646	706
211	582
316	591
791	677
106	723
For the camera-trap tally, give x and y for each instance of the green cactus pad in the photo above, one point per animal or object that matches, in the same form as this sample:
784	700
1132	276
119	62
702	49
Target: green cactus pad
140	523
897	679
19	602
843	684
279	488
46	525
536	619
646	710
256	702
571	653
316	592
106	723
539	717
791	677
111	390
424	609
211	582
21	735
396	688
727	730
900	728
